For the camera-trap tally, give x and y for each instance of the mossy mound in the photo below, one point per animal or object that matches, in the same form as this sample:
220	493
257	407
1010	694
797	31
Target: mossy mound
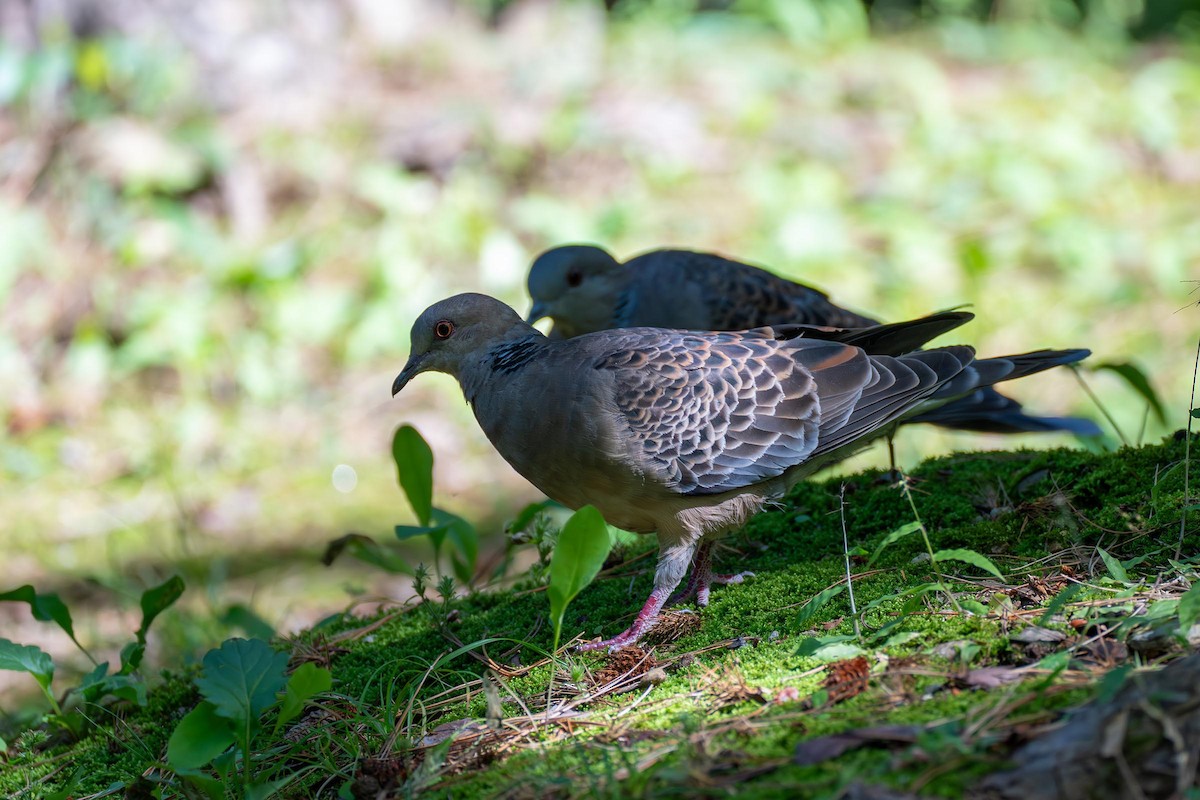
946	682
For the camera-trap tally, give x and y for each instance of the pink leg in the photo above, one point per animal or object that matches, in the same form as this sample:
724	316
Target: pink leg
645	621
702	577
701	571
675	554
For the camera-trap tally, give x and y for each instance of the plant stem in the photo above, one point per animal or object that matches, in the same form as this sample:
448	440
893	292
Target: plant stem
904	487
846	554
1187	455
1088	391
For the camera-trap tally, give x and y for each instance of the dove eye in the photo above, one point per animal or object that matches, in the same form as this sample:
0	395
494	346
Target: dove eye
443	329
574	278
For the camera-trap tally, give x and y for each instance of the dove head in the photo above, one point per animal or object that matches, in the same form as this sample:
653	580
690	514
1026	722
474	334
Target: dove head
450	332
577	287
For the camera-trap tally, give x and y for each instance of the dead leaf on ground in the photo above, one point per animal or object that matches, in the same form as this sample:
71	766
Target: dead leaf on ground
992	677
825	748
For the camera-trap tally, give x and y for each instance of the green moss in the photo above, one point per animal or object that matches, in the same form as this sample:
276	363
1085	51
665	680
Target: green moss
1015	507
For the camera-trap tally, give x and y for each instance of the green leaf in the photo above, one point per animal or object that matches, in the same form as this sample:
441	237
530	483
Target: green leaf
1138	381
1189	609
131	657
242	678
1058	602
974	606
1111	683
912	593
239	615
414	469
579	553
306	681
969	557
460	532
1196	413
212	788
1056	663
1115	568
525	515
465	540
67	789
406	532
892	538
815	645
816	602
157	600
367	550
45	608
200	736
261	791
27	658
97	685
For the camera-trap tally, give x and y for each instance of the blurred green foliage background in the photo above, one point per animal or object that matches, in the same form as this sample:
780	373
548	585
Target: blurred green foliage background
218	222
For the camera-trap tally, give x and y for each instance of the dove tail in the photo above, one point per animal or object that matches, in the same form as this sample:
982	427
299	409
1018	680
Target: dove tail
988	371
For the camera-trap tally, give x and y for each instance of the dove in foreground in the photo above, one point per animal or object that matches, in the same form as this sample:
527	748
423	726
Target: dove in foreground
584	289
684	434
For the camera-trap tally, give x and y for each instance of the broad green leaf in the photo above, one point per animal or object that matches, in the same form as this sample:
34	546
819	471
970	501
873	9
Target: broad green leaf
1130	563
306	681
838	651
212	788
1115	568
903	637
525	515
406	532
970	557
1138	381
242	678
157	600
910	594
465	540
892	538
1058	602
414	469
261	791
45	608
27	658
1056	663
1189	609
367	550
579	553
131	657
462	572
974	606
1196	413
239	615
200	736
814	645
97	684
816	602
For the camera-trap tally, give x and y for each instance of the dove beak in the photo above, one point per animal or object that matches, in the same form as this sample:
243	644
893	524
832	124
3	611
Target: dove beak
410	370
540	310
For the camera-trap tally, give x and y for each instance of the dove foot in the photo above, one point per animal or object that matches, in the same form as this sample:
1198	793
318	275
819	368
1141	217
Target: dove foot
703	591
646	619
701	580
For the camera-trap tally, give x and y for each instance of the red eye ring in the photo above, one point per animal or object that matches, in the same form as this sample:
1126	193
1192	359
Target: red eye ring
443	329
574	278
